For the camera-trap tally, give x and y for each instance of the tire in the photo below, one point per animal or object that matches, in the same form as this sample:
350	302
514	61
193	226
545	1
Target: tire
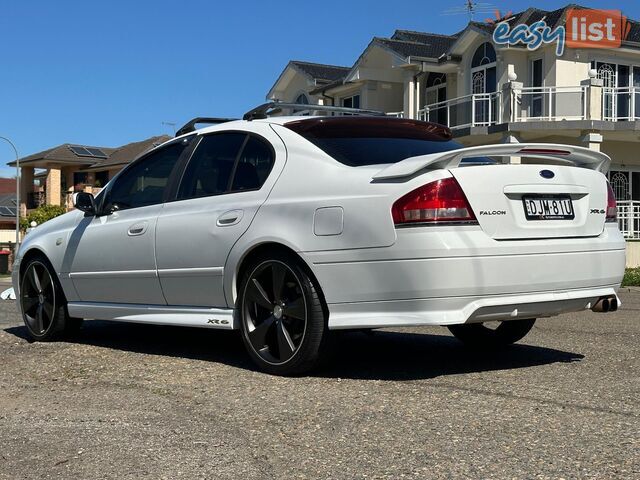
282	316
43	304
478	335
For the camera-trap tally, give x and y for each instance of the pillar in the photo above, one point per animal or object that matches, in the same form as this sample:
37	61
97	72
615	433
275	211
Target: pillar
420	93
592	140
593	98
53	195
509	108
509	137
409	103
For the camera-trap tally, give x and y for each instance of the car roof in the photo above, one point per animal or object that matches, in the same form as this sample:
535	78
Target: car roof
337	121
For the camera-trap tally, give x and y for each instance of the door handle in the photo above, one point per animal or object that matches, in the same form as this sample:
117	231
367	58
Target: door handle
232	217
137	229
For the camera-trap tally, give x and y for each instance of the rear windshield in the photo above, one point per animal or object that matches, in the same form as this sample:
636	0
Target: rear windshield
368	141
359	151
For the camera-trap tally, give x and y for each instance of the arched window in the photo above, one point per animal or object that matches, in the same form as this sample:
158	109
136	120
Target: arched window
434	79
483	69
302	99
484	55
483	81
620	185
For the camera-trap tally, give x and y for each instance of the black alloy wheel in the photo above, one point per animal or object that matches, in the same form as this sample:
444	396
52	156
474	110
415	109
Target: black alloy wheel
275	312
38	299
43	303
282	316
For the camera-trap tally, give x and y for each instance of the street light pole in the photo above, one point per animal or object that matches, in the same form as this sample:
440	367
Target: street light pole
15	150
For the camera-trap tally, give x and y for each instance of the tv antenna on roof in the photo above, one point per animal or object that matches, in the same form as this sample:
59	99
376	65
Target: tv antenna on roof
470	8
170	124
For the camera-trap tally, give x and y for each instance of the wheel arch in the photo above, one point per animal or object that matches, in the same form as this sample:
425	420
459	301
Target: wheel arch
32	253
259	249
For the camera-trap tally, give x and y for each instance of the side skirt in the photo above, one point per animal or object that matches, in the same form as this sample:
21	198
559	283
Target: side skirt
222	318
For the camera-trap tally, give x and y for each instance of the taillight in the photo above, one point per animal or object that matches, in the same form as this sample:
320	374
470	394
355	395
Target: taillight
612	208
442	201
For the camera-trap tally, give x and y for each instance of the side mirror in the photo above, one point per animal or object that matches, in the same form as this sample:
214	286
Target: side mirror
85	202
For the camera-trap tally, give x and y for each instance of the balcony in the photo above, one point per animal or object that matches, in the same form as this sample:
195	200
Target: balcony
622	103
549	104
478	109
629	218
540	104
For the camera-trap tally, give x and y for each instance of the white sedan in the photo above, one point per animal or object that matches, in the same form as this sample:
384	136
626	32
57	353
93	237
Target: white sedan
289	227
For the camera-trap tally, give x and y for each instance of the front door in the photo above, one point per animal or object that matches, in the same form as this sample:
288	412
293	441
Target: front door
111	257
221	190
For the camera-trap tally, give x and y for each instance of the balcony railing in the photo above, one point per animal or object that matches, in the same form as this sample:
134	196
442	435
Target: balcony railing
621	103
550	104
478	109
629	218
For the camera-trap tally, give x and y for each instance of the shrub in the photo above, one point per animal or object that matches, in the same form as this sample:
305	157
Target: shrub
631	277
41	215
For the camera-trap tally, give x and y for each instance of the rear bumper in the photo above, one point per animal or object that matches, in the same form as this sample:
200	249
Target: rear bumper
434	276
455	310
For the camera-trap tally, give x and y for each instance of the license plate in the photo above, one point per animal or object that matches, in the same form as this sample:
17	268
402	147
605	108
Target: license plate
555	207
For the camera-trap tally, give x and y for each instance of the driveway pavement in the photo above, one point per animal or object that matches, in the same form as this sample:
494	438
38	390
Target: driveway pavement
131	401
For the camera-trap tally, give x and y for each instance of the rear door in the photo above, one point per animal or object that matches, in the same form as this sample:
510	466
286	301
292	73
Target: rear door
535	201
226	180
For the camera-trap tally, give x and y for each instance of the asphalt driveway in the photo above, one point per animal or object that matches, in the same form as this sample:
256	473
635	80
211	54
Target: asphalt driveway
133	401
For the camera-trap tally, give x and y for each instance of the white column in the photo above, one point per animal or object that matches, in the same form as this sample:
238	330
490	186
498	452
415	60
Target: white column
420	93
409	97
509	137
592	141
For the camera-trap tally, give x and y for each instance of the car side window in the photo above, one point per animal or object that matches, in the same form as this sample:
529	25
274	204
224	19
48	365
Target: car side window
145	181
211	165
254	165
225	163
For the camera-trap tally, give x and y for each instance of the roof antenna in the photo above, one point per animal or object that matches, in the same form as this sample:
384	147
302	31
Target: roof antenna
172	125
470	8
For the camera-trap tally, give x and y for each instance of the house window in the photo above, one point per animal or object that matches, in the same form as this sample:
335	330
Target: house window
102	178
625	185
79	181
301	99
351	102
435	94
483	80
483	69
484	55
621	96
537	80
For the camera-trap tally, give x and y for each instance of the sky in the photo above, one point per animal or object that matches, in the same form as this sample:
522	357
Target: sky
106	73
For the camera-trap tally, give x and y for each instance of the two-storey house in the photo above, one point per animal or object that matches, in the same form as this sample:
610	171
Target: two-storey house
488	93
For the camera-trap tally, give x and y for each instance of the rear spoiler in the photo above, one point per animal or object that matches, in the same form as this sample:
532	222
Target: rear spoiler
549	152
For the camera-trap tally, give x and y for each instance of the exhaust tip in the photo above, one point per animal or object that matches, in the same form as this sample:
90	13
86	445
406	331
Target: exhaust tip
606	304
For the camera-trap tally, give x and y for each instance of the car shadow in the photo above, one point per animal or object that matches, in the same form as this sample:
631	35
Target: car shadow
377	355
